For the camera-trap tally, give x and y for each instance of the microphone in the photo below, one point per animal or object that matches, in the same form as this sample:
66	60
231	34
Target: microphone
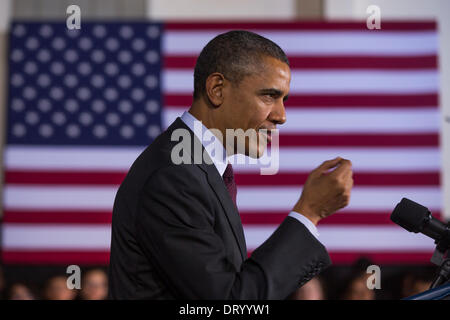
416	218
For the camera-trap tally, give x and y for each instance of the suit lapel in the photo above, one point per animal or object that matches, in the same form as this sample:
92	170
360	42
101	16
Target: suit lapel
218	186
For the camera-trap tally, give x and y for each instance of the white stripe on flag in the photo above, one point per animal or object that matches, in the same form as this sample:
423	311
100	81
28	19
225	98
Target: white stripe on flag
53	236
177	81
353	238
348	120
71	158
383	160
249	198
263	199
59	197
317	43
401	159
335	238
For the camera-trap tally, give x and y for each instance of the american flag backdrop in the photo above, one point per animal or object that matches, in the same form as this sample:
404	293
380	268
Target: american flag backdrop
84	103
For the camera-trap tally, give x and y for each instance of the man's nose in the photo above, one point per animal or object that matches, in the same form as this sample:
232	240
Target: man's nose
278	114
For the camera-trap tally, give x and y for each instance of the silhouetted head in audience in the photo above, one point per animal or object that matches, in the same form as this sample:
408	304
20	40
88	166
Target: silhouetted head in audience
56	289
356	287
94	285
2	282
416	282
312	290
20	291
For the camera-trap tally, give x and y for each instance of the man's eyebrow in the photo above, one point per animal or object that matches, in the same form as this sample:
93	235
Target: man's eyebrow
273	91
270	91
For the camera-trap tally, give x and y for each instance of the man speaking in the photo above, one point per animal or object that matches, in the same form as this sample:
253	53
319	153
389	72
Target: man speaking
176	230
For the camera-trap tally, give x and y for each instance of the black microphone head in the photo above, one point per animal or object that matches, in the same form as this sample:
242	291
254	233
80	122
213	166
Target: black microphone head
410	215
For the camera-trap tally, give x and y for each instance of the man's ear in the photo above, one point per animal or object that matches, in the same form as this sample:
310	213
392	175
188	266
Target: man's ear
214	88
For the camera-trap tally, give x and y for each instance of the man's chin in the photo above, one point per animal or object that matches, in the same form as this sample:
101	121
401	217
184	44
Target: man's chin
255	153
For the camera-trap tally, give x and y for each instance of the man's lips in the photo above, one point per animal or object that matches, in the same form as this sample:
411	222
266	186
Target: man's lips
267	133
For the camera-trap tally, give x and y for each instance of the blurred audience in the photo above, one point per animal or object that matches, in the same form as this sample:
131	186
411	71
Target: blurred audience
56	289
348	285
94	285
355	288
2	283
20	291
414	283
312	290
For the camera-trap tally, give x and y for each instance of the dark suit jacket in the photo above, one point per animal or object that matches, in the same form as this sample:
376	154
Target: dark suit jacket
176	234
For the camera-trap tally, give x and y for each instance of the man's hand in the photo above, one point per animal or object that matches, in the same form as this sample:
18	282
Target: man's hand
326	191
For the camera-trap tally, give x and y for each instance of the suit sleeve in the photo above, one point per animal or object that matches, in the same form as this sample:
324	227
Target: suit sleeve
175	224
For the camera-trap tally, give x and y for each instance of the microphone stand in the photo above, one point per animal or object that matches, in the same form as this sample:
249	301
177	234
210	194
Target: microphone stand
441	258
440	287
439	293
443	274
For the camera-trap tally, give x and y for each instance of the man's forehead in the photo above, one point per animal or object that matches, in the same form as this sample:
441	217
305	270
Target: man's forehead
272	67
272	74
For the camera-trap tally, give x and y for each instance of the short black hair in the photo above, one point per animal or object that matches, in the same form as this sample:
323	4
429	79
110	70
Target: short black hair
234	54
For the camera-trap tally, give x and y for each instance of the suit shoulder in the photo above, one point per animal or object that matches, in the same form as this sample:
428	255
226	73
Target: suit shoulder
189	175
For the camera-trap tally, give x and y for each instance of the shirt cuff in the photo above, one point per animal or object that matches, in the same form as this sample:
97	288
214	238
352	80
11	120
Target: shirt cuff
306	222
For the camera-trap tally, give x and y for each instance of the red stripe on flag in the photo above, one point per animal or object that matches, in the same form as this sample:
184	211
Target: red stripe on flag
359	140
330	101
334	62
299	26
242	179
64	177
386	258
339	218
179	62
102	257
57	217
422	258
360	179
247	217
56	257
362	100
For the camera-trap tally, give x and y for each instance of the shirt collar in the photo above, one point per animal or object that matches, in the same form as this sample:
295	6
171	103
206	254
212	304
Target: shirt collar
220	160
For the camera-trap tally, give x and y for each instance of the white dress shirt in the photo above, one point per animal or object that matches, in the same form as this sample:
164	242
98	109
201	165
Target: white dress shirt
220	162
